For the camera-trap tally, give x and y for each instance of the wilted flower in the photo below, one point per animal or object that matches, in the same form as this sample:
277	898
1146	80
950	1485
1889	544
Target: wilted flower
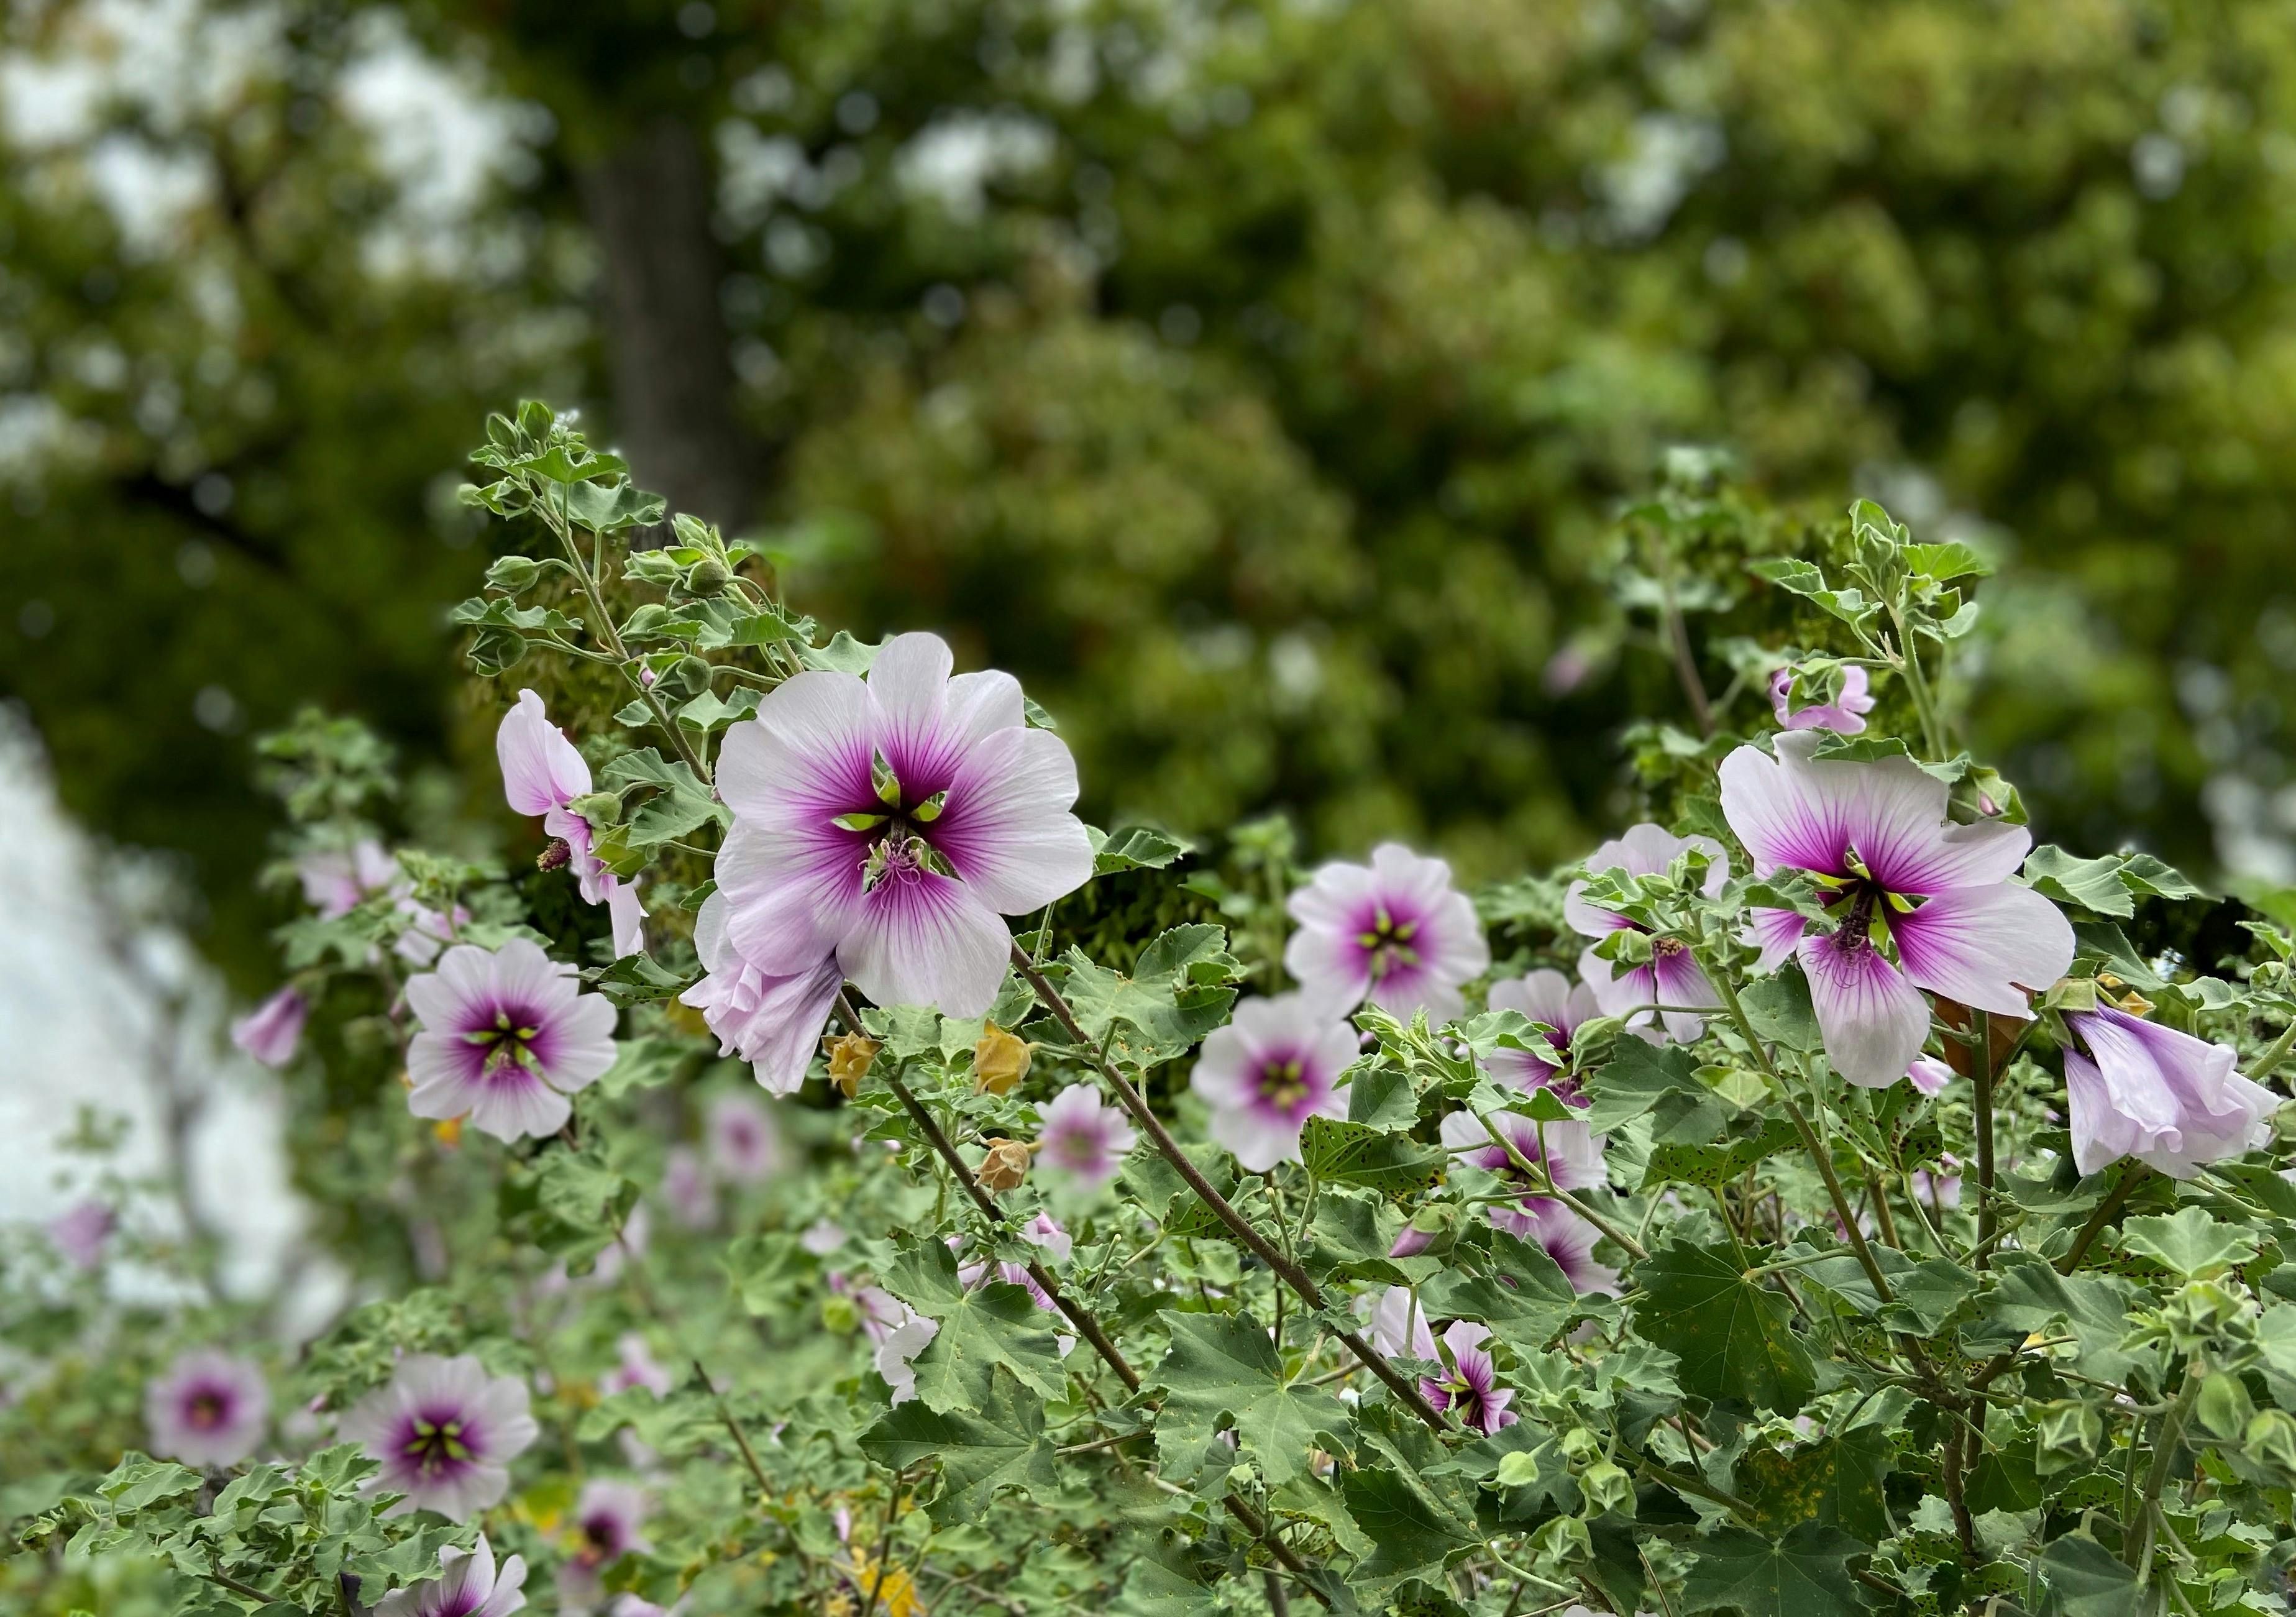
1000	1060
1553	999
851	1054
445	1432
82	1232
271	1031
896	821
609	1523
1392	931
1899	879
542	775
1844	714
897	1352
1470	1388
686	1189
1398	1325
1270	1070
1003	1168
772	1023
208	1408
506	1036
1672	976
1083	1140
744	1146
1570	1240
1571	1156
639	1368
467	1586
2171	1101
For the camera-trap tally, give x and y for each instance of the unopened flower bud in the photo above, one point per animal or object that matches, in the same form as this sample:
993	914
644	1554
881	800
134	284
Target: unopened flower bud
554	855
851	1055
1000	1060
708	577
1606	1487
840	1314
1004	1167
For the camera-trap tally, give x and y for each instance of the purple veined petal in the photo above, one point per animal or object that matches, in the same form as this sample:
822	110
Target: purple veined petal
1542	996
1328	967
908	683
921	938
1398	1325
1783	817
1928	1075
1276	1063
1983	946
273	1031
1008	831
1588	920
540	768
2107	1126
1256	1140
1872	1020
1843	714
805	758
2164	1097
1570	1240
792	896
1627	993
1773	931
1678	980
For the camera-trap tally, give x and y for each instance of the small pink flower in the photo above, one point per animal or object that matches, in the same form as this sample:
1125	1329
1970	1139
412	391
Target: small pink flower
1845	714
467	1586
272	1032
542	774
82	1233
774	1023
1553	999
2173	1102
822	1237
1267	1071
881	1312
337	880
609	1523
686	1190
1928	1075
1471	1390
1045	1231
445	1432
1672	976
208	1409
507	1036
1399	1326
1085	1142
744	1146
1393	931
1569	1152
639	1368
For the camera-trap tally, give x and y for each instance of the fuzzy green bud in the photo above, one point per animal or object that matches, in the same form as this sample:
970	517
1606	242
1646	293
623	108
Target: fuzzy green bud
708	577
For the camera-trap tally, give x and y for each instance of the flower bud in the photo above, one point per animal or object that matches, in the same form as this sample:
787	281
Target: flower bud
708	577
1000	1060
514	573
840	1314
1004	1167
851	1055
2066	1435
1606	1487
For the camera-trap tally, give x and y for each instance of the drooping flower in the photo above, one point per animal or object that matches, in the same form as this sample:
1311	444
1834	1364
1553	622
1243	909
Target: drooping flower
82	1232
507	1035
609	1523
1845	714
1928	1075
639	1368
209	1408
686	1189
1277	1064
445	1432
1470	1388
1553	999
272	1032
1085	1142
2173	1102
772	1023
1393	931
1915	902
1571	1155
1398	1325
467	1586
1672	976
1570	1240
542	775
897	1354
744	1145
894	821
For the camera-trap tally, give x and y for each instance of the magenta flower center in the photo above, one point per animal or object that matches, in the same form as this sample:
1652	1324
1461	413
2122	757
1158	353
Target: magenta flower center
1863	906
1282	1082
1387	942
207	1411
507	1041
437	1442
891	822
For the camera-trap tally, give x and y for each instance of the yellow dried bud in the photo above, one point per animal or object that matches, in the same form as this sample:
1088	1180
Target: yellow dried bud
1004	1167
1000	1060
851	1055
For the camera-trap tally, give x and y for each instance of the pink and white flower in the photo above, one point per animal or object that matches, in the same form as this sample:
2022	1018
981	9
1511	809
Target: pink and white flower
744	1146
639	1368
897	1353
209	1408
686	1189
609	1523
2173	1102
336	882
82	1232
1672	977
272	1030
1928	1075
1273	1067
1567	1152
507	1035
774	1023
1553	999
1844	715
445	1432
894	821
1085	1142
1470	1388
542	775
1570	1240
1914	901
467	1586
1393	931
1044	1232
1398	1325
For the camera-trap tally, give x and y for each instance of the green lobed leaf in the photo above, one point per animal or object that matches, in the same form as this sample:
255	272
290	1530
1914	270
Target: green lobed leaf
1733	1338
2189	1241
2082	1578
1221	1370
1001	1446
1804	1575
1354	1154
991	1325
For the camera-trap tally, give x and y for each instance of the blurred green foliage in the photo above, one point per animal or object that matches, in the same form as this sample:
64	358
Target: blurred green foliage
1259	382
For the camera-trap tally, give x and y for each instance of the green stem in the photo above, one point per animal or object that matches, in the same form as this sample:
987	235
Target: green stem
1918	686
1548	1187
1981	1074
2130	1173
2274	1054
2165	1442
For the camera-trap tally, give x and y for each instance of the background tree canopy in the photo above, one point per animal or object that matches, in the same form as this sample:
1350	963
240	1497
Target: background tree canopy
1141	346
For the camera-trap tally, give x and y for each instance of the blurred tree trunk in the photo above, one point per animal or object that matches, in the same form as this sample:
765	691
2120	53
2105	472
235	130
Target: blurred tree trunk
649	205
